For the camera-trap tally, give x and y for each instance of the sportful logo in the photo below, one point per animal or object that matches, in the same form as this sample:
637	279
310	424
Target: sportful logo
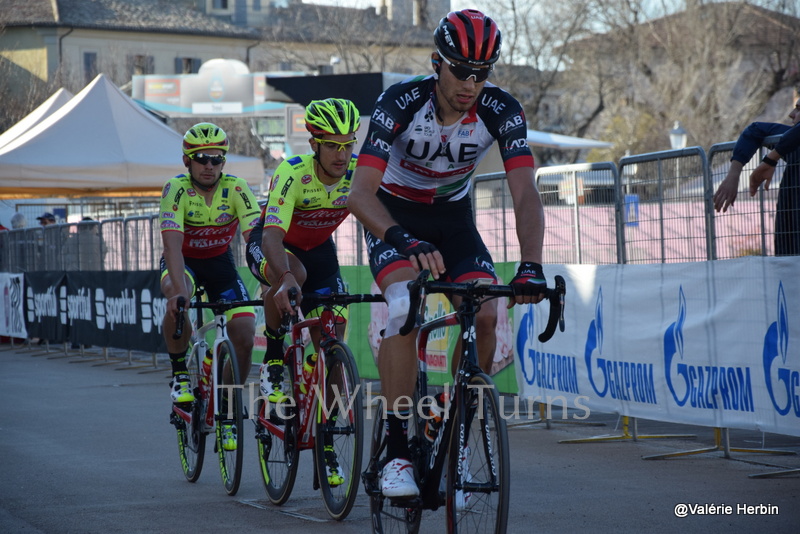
41	304
550	371
783	383
629	381
703	386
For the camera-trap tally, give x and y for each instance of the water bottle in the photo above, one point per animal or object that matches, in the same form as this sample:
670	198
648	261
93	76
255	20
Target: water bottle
205	374
308	369
435	415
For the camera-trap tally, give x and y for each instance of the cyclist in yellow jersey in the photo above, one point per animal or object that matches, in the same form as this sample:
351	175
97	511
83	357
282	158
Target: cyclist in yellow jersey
200	214
291	246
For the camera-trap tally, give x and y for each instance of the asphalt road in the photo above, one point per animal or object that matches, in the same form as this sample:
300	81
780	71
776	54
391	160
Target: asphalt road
86	446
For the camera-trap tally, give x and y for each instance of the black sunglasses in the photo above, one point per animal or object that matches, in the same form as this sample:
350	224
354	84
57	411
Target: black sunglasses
464	72
203	159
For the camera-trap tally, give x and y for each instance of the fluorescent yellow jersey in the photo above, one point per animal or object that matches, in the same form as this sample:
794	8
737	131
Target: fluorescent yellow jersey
301	205
208	230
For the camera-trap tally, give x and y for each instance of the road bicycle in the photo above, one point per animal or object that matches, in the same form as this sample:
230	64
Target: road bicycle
466	467
215	381
323	411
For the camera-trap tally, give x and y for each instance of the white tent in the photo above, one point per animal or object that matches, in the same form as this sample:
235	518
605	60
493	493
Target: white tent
99	143
45	109
563	142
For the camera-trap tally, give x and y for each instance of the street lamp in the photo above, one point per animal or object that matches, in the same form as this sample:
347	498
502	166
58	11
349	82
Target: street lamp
678	137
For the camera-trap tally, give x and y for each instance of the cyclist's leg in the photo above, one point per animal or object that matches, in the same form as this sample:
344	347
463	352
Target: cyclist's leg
221	280
271	371
398	373
176	348
468	259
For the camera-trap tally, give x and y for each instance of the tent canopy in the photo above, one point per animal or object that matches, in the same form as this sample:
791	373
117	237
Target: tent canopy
45	109
563	142
99	143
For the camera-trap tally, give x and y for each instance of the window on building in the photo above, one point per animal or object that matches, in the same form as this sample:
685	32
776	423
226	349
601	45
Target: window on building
219	5
187	65
89	66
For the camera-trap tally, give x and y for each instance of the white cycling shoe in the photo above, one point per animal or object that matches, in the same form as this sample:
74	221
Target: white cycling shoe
397	480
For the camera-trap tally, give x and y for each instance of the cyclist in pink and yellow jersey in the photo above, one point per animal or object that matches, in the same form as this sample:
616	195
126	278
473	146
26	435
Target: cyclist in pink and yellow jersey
201	211
291	246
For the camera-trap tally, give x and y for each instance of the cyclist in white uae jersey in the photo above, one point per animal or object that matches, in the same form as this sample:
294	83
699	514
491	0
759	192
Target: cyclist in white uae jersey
410	190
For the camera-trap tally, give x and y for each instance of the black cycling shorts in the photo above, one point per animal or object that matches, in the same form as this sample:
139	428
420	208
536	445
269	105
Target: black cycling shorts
321	263
449	226
217	275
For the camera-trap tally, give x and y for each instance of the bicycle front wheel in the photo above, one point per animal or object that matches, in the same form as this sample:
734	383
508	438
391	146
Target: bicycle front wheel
278	452
478	468
191	438
229	418
338	442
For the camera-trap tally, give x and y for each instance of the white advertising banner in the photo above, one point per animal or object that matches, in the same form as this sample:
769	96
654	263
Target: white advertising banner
12	320
707	343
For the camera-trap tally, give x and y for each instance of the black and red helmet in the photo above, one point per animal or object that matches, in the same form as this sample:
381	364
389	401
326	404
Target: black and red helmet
468	36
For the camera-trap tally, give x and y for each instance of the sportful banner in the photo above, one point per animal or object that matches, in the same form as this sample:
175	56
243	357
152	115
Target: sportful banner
110	309
45	306
712	343
12	318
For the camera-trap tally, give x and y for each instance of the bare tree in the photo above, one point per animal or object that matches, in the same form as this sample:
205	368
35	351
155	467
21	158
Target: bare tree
711	65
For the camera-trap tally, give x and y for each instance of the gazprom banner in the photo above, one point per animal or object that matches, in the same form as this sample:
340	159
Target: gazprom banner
712	343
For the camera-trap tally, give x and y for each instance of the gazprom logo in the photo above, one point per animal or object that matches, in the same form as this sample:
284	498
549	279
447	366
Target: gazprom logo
543	369
622	380
702	386
783	382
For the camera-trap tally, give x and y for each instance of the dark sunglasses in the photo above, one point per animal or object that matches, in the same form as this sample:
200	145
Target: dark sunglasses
203	159
464	72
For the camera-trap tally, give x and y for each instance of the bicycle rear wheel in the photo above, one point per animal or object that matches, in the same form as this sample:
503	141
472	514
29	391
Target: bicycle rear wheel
478	467
229	419
278	453
191	438
338	442
389	516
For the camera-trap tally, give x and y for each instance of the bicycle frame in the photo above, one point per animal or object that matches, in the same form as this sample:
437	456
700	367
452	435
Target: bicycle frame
208	398
307	402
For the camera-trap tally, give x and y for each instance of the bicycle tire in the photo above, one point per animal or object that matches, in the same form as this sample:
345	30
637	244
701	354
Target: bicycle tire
278	456
340	439
191	436
230	460
478	471
389	516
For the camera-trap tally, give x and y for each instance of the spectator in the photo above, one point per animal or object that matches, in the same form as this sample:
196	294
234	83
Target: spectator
787	211
18	221
46	219
85	248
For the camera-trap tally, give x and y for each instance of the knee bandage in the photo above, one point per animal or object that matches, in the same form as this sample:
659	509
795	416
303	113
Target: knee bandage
396	296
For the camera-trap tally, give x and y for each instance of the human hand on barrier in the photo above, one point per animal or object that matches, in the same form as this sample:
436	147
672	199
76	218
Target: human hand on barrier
728	189
762	175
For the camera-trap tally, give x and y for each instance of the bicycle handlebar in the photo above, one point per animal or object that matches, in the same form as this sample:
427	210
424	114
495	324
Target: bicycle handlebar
219	307
479	289
331	299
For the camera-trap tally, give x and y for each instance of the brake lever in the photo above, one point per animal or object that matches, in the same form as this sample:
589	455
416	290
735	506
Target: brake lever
556	318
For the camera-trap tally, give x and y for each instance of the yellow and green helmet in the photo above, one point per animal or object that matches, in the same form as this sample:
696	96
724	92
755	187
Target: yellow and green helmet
204	135
335	116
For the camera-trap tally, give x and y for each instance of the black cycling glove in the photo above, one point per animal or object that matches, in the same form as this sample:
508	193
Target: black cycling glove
405	243
529	280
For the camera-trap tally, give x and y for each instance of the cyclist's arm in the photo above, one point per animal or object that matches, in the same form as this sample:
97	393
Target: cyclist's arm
173	256
528	213
280	275
364	204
